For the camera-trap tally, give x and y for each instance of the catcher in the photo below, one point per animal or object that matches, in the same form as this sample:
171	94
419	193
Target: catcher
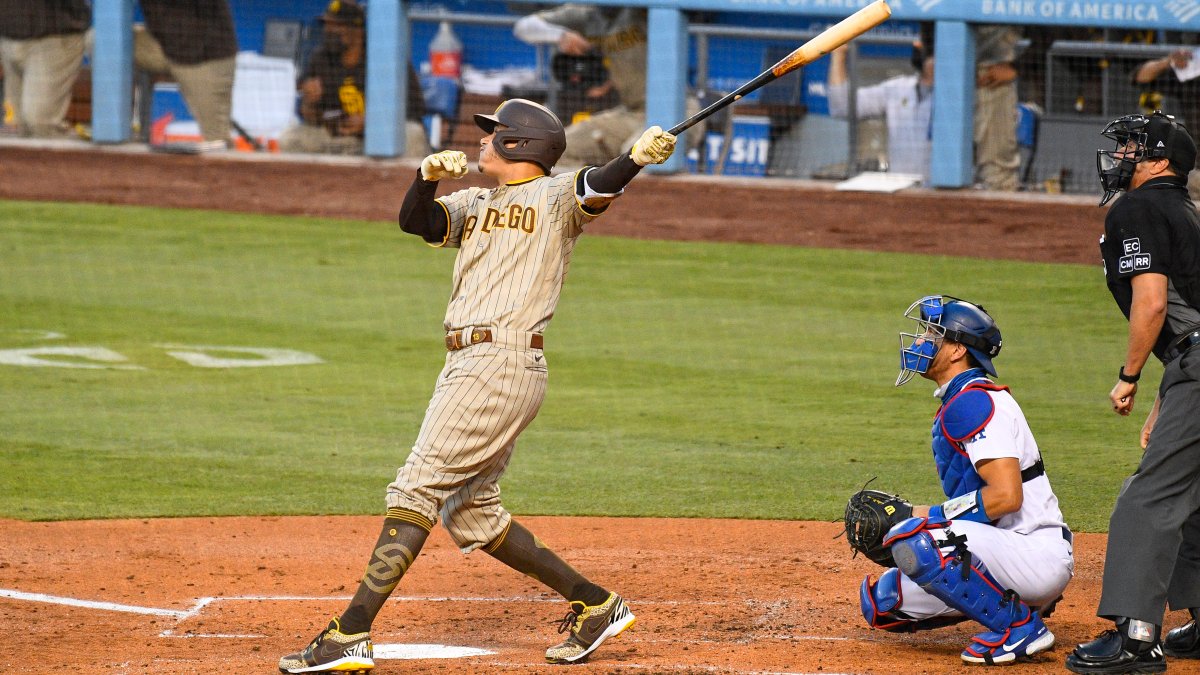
997	551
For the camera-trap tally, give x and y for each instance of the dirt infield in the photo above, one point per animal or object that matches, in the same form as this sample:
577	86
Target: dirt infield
221	595
1032	227
212	595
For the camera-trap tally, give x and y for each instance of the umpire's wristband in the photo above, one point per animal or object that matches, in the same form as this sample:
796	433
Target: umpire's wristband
1126	377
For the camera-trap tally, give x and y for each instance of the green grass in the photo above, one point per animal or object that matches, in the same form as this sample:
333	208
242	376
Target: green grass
687	379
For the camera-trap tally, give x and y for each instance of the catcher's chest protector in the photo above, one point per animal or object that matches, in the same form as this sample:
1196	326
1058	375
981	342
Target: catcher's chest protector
964	414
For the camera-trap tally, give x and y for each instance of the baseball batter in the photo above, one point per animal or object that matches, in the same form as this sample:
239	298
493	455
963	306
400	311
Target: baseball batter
514	245
997	549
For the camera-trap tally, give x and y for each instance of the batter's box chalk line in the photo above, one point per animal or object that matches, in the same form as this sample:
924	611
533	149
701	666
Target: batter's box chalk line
383	651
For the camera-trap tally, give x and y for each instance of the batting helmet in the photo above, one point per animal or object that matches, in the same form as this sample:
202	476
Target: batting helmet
944	316
525	132
1138	138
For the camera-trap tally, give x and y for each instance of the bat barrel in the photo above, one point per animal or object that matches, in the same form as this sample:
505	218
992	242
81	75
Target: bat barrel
835	36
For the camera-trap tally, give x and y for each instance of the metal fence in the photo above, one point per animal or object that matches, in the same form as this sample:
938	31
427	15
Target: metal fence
1071	79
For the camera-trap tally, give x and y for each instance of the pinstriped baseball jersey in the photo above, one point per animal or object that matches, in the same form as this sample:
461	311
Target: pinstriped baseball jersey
515	243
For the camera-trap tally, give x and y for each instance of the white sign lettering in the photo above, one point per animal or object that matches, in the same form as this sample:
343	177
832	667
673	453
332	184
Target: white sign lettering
200	356
252	357
1077	10
93	358
1179	12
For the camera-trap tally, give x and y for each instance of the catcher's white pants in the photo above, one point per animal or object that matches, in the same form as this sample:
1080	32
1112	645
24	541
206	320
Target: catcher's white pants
1037	566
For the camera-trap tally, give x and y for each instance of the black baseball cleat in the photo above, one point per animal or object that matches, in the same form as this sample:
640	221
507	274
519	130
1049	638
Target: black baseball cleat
1183	642
1048	608
1114	652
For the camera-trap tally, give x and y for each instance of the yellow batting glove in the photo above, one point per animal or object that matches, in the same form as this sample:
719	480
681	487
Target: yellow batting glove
444	164
654	147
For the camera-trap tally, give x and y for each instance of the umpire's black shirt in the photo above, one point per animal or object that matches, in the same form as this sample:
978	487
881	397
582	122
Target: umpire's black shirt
1155	228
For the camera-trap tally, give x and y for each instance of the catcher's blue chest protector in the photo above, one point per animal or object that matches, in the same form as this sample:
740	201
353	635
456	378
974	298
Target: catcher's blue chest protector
966	409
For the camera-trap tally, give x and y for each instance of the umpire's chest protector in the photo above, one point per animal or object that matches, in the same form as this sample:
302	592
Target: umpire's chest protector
960	418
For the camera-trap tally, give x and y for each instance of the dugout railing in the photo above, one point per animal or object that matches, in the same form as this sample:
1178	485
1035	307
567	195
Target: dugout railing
819	151
668	31
804	141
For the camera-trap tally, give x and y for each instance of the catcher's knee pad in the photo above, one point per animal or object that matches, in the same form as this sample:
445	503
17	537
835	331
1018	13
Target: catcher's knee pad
953	579
880	602
915	550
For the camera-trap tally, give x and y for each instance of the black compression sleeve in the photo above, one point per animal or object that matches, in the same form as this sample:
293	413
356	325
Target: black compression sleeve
614	176
420	216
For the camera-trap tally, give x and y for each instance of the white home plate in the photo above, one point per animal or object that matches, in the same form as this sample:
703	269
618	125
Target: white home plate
427	652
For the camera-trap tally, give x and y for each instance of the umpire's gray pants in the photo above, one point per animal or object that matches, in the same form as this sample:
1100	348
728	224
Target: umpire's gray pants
1154	534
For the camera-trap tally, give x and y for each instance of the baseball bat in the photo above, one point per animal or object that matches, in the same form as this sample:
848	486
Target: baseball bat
241	131
826	41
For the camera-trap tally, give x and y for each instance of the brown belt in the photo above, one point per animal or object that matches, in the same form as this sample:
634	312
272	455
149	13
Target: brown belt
454	339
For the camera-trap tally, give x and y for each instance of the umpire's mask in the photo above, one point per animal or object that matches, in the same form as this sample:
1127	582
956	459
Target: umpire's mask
1139	138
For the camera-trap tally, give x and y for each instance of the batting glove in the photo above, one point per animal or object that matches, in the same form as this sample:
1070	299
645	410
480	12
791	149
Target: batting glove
444	164
654	147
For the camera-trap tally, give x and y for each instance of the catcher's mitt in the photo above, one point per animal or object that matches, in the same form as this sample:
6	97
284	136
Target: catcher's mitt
869	516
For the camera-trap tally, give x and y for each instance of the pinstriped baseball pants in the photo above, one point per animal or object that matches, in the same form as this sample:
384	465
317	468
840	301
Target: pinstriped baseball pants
484	398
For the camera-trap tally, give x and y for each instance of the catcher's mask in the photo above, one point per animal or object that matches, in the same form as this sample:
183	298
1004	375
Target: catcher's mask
940	318
525	132
1139	138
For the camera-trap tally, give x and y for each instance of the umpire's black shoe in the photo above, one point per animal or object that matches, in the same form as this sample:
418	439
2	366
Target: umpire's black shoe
1183	642
1115	652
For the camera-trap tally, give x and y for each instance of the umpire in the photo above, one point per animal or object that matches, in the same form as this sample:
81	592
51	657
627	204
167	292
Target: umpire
1151	250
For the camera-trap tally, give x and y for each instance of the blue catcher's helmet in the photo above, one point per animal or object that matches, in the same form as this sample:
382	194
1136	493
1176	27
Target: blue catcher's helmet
943	317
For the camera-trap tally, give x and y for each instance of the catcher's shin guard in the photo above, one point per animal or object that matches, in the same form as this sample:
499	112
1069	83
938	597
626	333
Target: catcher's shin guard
881	600
953	579
1014	631
881	607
